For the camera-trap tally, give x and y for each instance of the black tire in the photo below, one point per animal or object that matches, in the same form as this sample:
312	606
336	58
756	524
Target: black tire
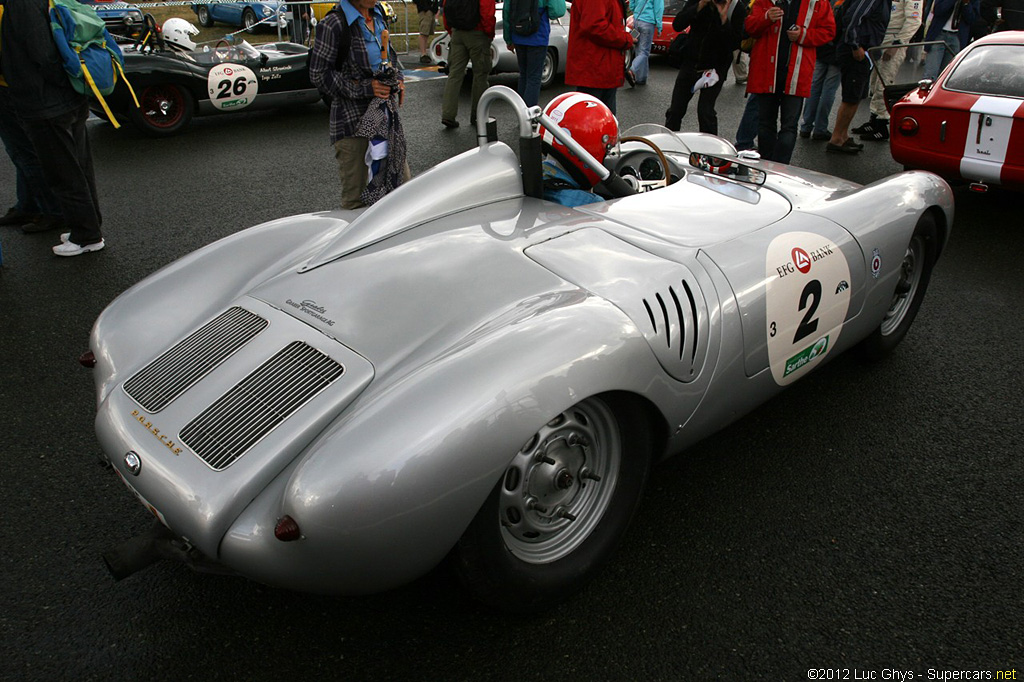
915	272
203	15
164	110
550	69
585	473
249	21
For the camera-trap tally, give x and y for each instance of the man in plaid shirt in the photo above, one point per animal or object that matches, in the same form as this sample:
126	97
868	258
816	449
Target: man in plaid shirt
348	79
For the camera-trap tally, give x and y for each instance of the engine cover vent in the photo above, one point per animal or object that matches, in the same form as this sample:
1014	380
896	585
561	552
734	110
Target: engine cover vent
237	420
192	358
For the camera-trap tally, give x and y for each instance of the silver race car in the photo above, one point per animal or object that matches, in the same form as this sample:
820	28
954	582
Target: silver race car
336	402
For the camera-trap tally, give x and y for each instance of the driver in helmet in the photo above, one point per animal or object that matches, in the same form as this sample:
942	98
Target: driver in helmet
178	34
567	179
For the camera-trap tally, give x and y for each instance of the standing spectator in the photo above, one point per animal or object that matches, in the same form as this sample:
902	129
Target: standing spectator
35	208
647	19
355	79
531	49
598	40
861	26
824	83
746	132
54	116
467	45
904	20
426	10
716	27
951	23
786	34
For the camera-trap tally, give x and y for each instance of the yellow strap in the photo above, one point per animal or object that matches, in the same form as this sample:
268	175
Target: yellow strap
96	91
120	70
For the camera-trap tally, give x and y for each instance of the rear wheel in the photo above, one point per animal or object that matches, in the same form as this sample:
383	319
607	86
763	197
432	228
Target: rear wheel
203	14
561	508
164	109
915	272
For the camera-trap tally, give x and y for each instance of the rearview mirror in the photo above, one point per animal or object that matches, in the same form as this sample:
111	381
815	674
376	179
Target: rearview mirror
727	168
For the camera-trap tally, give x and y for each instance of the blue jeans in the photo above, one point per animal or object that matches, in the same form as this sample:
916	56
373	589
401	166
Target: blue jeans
531	69
641	63
818	107
746	134
939	56
32	193
778	116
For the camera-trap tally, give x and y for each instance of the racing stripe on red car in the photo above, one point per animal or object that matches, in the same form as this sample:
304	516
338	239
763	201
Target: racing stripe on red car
988	138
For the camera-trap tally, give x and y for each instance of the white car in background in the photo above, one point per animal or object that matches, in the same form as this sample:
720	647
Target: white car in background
503	61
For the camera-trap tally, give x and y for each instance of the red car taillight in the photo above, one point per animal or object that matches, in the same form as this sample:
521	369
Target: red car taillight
908	126
287	529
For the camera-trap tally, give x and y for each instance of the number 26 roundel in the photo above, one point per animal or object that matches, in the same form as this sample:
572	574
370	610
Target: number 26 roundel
231	86
807	295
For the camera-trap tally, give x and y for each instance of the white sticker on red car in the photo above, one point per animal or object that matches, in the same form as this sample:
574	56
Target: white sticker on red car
231	86
807	295
988	137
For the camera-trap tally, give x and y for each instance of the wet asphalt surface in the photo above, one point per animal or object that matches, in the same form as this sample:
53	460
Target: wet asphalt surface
868	520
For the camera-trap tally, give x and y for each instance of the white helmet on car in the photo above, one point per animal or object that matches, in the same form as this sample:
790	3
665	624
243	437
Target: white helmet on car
177	31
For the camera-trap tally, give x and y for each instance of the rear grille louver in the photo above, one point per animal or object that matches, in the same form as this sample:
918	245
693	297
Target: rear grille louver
192	358
237	420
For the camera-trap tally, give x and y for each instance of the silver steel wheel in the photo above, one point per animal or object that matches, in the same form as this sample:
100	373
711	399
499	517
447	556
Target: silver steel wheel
547	74
559	486
911	271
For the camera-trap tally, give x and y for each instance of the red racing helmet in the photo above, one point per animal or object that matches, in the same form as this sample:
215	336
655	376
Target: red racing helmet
590	122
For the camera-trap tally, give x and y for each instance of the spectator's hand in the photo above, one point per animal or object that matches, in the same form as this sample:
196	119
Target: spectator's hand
510	47
775	14
859	53
723	10
380	90
889	54
793	34
401	93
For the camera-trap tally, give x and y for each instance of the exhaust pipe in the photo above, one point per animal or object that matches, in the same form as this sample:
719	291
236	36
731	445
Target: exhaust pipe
138	553
155	544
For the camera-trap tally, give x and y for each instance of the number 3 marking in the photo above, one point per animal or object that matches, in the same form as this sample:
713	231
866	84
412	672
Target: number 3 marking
808	325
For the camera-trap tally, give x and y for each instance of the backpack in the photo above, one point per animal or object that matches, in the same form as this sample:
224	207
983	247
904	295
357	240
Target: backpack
524	16
92	59
462	14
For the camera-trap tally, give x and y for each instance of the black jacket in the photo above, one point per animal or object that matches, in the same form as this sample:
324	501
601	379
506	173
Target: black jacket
711	43
37	83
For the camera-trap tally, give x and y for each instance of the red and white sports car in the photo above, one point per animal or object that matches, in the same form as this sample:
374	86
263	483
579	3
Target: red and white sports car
969	124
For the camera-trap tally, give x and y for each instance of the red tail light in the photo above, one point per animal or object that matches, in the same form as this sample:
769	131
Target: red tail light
908	126
287	529
87	359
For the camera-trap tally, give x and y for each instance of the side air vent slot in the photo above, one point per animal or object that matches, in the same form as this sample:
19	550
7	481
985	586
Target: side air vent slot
675	323
237	420
192	358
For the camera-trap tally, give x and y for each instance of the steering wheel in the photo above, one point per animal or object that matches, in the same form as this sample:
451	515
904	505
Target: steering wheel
647	185
223	54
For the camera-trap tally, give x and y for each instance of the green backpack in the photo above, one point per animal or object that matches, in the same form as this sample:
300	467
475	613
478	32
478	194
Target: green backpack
92	59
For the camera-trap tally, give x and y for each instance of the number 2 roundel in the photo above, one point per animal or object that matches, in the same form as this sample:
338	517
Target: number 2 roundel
231	86
807	295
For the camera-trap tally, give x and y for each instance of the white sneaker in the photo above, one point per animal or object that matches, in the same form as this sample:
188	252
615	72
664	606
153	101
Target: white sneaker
69	248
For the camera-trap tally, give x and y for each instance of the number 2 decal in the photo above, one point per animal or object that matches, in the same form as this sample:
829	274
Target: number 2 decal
808	325
807	296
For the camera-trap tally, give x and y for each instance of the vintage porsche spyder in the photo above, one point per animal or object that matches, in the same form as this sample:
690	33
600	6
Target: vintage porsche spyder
173	86
335	402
